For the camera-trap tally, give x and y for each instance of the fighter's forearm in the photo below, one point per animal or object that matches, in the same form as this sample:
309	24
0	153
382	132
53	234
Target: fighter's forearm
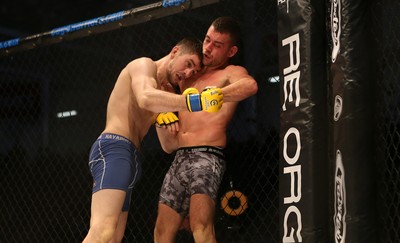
240	90
168	140
162	101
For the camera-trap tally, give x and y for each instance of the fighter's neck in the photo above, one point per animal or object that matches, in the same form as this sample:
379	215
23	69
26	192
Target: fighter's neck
212	68
162	70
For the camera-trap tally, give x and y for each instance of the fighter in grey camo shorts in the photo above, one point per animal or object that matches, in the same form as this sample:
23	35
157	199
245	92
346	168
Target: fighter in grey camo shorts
194	170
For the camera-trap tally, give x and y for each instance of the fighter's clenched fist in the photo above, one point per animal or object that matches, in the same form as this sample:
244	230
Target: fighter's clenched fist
166	118
210	99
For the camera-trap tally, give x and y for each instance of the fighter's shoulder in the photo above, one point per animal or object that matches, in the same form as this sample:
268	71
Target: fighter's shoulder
235	68
141	62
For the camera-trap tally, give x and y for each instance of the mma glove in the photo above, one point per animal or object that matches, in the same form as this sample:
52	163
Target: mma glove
210	99
166	118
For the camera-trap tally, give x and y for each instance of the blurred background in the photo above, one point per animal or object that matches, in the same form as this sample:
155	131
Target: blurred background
53	102
20	18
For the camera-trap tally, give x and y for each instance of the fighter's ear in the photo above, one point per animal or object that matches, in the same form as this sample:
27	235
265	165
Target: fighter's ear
174	51
233	51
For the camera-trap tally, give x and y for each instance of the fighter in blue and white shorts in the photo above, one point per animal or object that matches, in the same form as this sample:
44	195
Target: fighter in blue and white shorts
115	163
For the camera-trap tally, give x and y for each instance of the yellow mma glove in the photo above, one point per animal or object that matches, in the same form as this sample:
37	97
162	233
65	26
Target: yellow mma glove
210	99
166	118
192	99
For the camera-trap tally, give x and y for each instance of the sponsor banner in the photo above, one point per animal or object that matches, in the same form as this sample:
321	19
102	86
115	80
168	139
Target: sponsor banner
304	158
353	217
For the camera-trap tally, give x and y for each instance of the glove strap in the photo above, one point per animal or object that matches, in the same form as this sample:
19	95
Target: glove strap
193	102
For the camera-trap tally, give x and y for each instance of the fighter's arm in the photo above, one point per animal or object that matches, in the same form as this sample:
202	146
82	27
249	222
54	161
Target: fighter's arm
168	137
142	73
241	84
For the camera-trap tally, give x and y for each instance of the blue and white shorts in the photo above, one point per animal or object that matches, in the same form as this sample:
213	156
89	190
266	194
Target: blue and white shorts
115	163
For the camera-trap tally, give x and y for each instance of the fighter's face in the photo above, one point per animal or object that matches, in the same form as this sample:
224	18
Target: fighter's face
217	48
182	67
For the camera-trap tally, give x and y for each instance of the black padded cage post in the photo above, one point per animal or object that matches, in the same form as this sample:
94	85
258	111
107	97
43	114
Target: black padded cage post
353	79
303	150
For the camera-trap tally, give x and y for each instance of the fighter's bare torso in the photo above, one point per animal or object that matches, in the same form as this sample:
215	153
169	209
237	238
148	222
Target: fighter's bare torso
124	116
194	127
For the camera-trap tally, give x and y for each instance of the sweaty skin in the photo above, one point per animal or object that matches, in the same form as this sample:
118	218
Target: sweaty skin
207	128
138	96
202	130
130	116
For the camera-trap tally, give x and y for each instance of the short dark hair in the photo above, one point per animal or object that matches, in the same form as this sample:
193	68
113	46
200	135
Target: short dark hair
230	26
191	45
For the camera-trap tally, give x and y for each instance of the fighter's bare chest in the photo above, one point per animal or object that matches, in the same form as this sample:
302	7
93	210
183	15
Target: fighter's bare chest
203	82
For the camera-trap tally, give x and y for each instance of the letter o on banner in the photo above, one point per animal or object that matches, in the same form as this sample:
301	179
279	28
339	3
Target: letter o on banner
234	203
294	159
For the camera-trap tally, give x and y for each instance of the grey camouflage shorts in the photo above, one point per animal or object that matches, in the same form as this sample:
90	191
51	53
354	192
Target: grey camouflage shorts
194	170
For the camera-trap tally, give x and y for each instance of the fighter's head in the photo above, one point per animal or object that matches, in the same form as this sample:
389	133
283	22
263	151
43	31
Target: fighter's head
221	41
186	60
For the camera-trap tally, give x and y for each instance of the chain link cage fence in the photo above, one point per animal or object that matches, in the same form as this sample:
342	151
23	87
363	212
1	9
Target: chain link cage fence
53	103
53	107
386	23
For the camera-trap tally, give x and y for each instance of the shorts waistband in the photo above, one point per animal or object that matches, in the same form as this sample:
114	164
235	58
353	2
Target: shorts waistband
114	137
207	149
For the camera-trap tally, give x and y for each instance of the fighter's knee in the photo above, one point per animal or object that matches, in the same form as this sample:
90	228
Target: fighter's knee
165	232
159	231
198	228
116	238
203	232
102	232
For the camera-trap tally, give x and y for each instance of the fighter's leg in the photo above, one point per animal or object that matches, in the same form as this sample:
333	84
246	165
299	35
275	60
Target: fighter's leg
167	224
172	203
105	213
206	177
115	169
120	231
202	210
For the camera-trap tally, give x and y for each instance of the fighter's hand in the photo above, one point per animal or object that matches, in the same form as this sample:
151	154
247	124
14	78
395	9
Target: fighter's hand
166	118
209	100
